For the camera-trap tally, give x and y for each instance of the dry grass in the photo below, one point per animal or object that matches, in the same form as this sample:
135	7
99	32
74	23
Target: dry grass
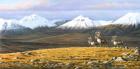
73	54
69	54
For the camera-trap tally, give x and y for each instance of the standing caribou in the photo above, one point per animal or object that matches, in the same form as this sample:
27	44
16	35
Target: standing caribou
90	41
116	42
99	40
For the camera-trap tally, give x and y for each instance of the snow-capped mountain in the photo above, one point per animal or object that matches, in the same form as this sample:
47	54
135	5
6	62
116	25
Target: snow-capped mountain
9	24
33	21
79	22
129	19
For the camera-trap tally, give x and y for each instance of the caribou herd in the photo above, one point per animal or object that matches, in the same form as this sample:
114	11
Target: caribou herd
98	39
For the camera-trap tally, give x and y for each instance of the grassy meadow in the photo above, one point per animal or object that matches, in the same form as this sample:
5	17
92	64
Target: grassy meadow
77	55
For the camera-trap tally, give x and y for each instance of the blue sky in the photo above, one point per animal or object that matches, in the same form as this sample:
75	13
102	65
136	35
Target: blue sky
67	9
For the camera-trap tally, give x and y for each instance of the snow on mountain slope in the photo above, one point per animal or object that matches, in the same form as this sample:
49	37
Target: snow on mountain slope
101	23
129	19
33	21
9	24
79	22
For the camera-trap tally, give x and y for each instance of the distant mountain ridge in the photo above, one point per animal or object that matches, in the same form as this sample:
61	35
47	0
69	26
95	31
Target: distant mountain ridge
82	22
34	23
31	21
129	19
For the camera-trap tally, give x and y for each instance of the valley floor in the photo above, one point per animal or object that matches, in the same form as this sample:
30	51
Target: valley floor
35	42
67	51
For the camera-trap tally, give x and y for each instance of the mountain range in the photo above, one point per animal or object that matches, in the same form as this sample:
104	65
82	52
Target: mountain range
31	21
80	22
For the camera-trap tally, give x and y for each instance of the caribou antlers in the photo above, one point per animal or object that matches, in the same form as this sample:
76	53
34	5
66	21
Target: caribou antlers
99	40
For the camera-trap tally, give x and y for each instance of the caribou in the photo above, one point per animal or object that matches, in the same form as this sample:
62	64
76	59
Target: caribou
90	41
99	39
116	43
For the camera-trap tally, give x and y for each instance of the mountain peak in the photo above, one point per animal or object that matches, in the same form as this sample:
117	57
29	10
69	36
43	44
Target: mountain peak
34	15
33	21
129	19
79	22
81	18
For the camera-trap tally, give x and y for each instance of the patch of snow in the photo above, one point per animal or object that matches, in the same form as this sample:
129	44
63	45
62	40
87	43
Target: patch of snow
79	22
33	21
129	19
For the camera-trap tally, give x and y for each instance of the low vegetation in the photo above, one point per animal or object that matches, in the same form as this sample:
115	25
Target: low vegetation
72	58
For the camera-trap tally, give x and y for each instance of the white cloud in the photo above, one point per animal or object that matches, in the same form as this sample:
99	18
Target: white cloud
22	5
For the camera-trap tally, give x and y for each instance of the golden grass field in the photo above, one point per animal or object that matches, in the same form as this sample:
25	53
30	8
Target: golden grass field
73	54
